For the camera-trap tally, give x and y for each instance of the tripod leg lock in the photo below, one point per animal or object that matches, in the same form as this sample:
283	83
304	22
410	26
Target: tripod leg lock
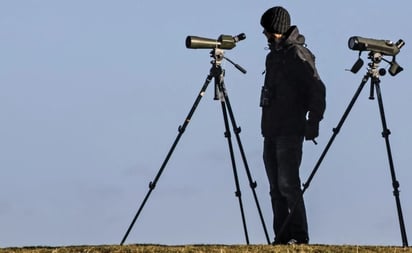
335	130
180	129
396	193
386	133
396	185
237	130
152	185
238	194
253	185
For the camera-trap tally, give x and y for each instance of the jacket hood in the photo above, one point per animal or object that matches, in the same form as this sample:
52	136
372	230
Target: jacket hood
291	37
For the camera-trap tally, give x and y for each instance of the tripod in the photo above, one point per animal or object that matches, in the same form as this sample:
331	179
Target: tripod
216	73
373	73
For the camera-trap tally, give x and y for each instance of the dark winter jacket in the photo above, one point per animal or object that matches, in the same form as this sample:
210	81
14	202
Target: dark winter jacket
293	93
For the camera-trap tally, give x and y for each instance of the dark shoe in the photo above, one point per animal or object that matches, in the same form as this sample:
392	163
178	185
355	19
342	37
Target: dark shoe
279	242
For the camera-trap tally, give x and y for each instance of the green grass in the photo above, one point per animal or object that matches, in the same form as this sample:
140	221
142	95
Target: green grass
210	248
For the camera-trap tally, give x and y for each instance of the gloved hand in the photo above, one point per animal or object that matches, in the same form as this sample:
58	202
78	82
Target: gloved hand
311	130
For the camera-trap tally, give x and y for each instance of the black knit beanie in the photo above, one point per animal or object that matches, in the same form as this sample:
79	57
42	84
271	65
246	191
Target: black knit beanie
276	20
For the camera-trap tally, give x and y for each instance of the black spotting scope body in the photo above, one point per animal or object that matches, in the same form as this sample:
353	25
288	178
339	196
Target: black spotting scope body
223	42
385	47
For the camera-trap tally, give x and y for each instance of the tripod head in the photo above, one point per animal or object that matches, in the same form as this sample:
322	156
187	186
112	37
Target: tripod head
218	56
218	73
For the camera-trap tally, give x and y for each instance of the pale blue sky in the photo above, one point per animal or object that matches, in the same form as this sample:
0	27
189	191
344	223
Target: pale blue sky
92	94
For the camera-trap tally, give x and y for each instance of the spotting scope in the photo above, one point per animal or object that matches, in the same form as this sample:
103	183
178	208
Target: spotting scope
385	47
223	42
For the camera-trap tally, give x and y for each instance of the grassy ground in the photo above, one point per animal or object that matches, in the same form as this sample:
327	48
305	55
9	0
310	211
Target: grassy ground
210	248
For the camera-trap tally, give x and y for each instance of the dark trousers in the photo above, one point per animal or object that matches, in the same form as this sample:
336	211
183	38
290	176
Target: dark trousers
282	157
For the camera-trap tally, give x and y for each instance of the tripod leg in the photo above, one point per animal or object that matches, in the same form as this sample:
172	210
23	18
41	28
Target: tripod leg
232	157
181	130
252	183
322	156
395	183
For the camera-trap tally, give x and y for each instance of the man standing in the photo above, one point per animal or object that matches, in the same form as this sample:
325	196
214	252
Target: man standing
293	103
